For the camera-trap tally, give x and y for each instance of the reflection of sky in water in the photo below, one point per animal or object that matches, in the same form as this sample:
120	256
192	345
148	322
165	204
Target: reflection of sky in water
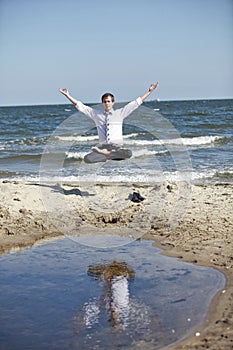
50	299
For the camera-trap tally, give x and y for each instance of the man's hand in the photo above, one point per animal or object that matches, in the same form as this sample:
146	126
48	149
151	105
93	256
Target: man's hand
150	90
64	92
153	86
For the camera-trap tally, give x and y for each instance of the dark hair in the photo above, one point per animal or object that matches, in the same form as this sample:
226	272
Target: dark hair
106	95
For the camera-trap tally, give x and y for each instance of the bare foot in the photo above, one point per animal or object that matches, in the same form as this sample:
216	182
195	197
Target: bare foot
104	151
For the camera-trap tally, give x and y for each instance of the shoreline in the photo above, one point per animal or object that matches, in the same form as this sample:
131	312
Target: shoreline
200	233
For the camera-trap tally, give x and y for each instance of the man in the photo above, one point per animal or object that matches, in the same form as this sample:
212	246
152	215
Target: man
109	125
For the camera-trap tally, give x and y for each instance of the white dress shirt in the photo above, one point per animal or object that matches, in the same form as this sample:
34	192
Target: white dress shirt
109	124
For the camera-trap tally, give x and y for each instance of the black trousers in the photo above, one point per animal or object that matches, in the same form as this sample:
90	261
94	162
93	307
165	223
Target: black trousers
116	153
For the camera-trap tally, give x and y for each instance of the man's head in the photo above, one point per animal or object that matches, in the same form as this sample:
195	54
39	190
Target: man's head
108	101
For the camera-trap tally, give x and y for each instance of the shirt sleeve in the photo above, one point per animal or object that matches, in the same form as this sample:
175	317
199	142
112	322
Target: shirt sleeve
88	111
139	101
130	107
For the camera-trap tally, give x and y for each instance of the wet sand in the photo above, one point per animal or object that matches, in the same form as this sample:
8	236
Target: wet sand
191	222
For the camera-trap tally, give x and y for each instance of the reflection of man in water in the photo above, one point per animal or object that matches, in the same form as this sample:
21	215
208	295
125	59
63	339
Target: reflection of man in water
116	277
109	125
130	319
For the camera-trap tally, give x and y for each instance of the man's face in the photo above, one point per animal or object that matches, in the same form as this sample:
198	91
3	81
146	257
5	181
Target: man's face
108	104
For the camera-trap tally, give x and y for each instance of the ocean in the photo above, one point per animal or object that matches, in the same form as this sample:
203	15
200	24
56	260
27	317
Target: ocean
170	140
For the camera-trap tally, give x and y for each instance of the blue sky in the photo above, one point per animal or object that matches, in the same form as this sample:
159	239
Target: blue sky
94	46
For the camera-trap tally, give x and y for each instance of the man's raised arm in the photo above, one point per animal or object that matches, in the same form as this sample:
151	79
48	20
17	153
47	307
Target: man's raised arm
151	89
65	92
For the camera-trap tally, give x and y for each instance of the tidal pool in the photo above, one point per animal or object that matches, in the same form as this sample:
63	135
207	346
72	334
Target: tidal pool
66	295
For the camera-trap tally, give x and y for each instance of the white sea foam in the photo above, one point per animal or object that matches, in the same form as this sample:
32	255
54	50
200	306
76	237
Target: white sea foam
128	136
129	140
145	152
75	155
131	177
201	140
77	138
86	138
111	178
192	141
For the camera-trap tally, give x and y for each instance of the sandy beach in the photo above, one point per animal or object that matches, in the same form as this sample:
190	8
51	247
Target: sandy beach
191	222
